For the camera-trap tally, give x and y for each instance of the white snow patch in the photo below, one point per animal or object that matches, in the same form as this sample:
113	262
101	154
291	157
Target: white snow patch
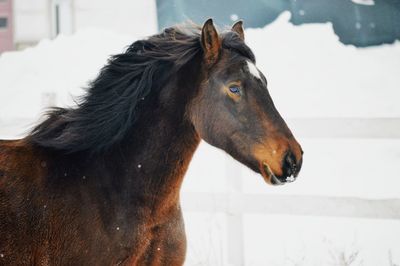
364	2
234	17
290	178
319	72
63	66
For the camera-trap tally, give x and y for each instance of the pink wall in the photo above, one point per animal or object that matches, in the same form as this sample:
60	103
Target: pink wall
6	33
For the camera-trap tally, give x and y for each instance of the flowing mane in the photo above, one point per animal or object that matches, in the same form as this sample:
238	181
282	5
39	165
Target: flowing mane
111	105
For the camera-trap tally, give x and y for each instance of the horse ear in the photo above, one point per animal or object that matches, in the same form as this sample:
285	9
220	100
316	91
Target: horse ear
238	28
210	42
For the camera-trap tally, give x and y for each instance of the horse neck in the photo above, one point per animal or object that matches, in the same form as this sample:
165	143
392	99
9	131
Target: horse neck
156	155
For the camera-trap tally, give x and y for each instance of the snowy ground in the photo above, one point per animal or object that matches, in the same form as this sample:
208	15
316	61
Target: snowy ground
310	75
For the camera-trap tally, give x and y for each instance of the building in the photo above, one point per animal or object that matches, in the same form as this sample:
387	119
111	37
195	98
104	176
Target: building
25	22
6	26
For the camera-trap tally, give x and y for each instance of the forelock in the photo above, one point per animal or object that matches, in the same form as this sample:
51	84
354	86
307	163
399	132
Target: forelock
232	41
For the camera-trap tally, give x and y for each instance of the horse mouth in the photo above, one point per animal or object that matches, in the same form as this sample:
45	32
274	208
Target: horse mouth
272	179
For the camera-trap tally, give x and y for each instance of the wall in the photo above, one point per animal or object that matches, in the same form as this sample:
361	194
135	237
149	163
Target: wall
32	21
35	19
137	17
6	25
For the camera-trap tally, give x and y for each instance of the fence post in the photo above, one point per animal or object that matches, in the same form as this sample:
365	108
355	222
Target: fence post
235	241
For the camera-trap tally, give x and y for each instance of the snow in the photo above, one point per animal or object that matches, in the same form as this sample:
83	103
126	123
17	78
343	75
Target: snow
310	74
318	241
290	179
319	73
234	17
364	2
62	66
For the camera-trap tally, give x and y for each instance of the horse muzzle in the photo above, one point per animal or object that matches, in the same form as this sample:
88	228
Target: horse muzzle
290	171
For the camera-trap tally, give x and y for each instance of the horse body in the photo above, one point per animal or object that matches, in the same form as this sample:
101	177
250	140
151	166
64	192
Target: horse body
99	184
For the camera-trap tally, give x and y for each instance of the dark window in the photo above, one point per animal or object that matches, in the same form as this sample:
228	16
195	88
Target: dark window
3	22
57	19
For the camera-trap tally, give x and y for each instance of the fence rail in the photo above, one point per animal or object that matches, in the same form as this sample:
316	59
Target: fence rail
346	127
237	203
332	127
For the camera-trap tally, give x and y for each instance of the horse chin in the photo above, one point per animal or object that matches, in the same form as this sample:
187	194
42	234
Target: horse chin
269	176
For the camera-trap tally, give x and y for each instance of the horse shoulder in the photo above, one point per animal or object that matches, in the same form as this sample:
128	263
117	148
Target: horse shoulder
20	184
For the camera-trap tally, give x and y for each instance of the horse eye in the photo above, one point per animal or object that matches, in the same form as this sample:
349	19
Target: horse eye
234	89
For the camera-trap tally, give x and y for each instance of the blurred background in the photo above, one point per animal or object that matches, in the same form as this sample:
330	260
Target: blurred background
333	69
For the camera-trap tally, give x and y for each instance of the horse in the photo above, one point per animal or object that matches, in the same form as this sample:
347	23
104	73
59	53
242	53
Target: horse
98	183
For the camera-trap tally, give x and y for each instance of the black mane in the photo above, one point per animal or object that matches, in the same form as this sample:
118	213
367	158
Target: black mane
109	109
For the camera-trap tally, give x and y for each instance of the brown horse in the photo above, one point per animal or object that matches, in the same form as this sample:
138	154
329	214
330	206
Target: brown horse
98	184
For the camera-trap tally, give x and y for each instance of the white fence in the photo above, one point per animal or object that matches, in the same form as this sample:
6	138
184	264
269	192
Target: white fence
236	203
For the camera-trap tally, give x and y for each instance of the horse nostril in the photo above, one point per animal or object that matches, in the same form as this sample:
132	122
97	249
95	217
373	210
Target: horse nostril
289	164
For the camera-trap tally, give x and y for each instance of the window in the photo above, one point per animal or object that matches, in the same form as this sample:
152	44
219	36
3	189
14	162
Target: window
3	22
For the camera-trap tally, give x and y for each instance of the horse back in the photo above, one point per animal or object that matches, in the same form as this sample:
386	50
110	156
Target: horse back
19	161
